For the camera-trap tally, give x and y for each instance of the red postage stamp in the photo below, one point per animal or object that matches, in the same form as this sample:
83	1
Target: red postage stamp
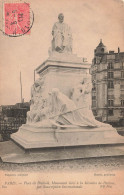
17	19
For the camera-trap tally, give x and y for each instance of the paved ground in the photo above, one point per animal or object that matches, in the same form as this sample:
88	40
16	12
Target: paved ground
106	163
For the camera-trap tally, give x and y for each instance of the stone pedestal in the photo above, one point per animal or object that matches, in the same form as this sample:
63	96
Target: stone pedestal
62	71
33	137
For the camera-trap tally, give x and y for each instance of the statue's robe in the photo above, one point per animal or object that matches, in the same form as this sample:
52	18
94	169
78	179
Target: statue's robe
62	37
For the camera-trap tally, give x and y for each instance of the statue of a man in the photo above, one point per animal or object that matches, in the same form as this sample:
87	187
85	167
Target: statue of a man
62	37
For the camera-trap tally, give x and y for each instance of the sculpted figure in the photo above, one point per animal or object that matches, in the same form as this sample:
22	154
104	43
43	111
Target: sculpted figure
37	112
61	111
37	102
62	37
36	90
82	93
64	112
82	98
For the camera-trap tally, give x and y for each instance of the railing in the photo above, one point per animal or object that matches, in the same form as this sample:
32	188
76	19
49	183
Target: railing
9	127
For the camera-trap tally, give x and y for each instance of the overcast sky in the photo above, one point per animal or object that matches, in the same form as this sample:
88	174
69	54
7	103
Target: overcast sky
90	20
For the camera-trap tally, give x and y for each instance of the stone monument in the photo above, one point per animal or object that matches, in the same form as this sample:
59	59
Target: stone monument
60	113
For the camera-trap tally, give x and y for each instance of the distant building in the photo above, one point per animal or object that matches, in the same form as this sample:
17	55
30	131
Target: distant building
11	118
14	111
107	72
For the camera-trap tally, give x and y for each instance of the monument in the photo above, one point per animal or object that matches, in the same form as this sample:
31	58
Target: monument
60	114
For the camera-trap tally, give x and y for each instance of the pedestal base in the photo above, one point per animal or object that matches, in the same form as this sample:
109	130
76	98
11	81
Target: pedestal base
30	136
12	153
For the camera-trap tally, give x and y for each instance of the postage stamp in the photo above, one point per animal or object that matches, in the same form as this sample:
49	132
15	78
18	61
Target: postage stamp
18	19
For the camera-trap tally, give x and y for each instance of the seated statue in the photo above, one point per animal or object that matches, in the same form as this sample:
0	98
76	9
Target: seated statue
62	37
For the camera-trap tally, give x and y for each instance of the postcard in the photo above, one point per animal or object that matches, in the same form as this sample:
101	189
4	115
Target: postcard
62	97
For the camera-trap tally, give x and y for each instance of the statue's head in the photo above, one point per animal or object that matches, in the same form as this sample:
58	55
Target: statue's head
61	17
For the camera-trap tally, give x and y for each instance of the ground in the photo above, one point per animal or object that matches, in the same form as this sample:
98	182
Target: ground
104	163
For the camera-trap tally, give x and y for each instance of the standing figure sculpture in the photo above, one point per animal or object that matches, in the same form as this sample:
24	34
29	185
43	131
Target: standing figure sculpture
62	37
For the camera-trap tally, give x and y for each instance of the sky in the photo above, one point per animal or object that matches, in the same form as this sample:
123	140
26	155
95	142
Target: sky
90	21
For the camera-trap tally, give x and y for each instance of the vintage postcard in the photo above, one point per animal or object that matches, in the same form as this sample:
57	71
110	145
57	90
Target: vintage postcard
62	97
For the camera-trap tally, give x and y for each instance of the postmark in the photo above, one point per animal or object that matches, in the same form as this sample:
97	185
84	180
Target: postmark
18	19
